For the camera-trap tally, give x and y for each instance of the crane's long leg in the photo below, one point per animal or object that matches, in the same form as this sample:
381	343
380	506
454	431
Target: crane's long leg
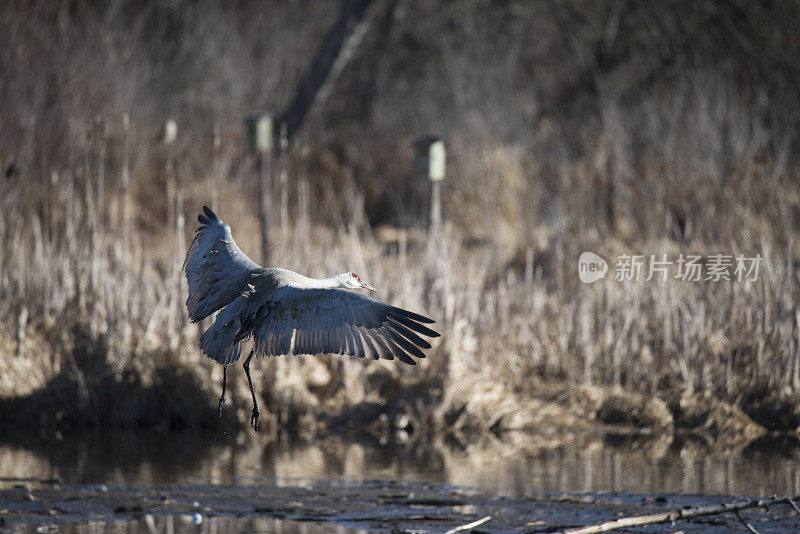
256	411
222	397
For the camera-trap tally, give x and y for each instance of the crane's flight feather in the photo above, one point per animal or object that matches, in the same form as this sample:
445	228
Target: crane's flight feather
339	321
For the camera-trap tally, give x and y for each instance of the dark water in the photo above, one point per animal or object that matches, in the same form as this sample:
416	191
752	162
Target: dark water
171	524
516	464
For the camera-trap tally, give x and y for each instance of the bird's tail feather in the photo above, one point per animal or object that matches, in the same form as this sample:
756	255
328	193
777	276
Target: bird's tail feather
216	344
222	341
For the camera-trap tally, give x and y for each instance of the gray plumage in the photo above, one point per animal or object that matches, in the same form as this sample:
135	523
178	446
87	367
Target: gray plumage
287	313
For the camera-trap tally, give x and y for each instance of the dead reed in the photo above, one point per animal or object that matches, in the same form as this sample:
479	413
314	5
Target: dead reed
605	138
89	293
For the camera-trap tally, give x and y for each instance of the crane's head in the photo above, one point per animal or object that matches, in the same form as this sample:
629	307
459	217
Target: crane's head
352	281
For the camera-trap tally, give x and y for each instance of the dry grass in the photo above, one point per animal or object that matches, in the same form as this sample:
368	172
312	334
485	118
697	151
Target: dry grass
83	307
679	157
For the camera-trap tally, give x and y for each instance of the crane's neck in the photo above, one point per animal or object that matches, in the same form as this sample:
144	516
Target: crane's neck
326	283
316	283
285	276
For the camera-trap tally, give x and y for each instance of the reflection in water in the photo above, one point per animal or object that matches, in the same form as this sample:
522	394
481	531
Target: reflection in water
518	464
211	525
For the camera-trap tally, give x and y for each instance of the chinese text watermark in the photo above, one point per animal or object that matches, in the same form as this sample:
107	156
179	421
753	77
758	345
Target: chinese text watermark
662	267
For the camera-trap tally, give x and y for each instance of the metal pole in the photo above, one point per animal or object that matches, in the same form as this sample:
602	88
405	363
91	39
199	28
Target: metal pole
259	139
265	178
436	209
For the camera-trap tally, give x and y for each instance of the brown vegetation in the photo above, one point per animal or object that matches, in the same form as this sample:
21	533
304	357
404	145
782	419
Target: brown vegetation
616	127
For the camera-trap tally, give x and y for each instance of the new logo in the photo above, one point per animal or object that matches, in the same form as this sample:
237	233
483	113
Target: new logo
591	267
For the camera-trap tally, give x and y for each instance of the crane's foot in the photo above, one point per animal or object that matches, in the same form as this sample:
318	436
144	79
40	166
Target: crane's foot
254	418
221	402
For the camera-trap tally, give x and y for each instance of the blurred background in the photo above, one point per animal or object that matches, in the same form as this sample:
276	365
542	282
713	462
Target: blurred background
614	126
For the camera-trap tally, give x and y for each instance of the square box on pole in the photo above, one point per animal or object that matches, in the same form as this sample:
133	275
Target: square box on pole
429	161
259	132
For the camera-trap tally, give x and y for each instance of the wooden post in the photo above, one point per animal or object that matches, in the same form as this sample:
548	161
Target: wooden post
259	137
302	232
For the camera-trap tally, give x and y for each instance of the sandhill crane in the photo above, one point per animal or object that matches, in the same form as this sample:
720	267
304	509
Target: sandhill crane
285	312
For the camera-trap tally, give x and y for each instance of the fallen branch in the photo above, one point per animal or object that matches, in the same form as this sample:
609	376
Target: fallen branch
686	513
796	509
747	525
469	525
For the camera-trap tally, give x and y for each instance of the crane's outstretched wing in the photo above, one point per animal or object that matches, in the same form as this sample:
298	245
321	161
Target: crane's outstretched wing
337	321
216	269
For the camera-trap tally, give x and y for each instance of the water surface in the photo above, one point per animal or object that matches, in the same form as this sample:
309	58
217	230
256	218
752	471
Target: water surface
514	464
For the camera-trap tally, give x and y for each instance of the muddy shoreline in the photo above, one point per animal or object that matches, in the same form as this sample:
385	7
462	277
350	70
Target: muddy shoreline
369	505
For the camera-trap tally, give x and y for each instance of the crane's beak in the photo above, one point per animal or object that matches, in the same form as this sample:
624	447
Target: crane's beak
367	286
